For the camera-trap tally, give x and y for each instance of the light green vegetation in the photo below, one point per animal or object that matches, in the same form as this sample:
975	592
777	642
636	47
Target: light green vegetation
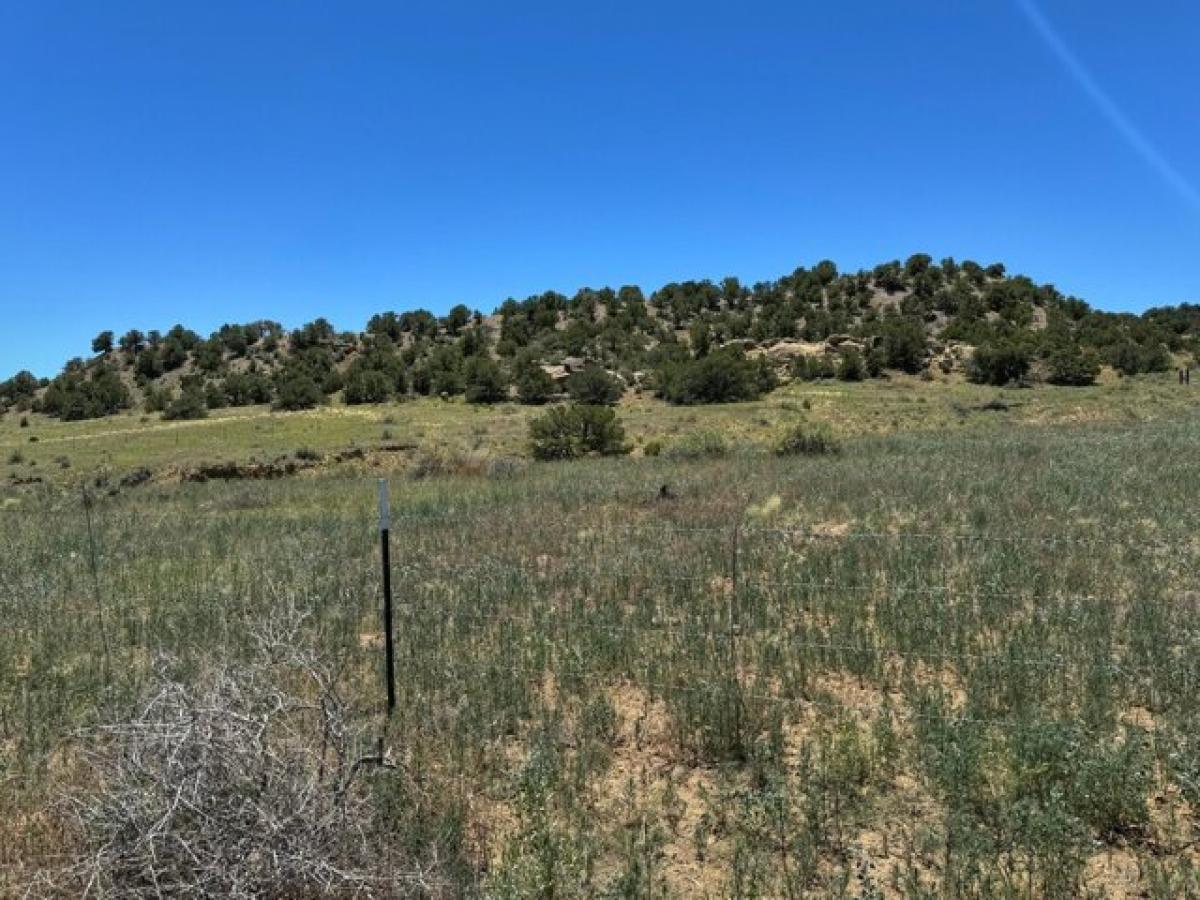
120	444
960	660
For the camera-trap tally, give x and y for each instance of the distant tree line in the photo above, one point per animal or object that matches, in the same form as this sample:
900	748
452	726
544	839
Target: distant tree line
688	342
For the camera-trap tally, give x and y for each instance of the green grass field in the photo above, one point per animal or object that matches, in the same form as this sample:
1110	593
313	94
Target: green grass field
959	659
66	452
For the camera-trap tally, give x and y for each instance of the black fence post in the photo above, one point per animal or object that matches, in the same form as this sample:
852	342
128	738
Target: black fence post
385	519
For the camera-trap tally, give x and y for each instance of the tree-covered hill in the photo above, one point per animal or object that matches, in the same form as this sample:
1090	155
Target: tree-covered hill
688	342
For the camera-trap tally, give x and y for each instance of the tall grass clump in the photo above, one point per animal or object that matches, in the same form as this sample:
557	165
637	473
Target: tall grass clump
807	440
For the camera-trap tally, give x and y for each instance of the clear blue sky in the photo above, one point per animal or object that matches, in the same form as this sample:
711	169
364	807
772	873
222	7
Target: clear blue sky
225	161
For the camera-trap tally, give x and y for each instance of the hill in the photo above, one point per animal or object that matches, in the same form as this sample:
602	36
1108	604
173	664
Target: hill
687	342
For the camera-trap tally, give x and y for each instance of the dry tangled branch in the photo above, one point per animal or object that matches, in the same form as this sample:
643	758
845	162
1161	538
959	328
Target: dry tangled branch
245	786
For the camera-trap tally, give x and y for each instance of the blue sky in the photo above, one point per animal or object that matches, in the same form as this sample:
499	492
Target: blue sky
225	161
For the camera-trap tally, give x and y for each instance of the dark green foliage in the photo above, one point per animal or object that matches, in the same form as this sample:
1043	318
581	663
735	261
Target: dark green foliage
567	432
726	376
297	388
238	339
532	382
999	363
77	394
367	386
387	325
376	374
18	389
672	336
483	380
441	373
103	342
457	319
852	366
210	355
190	404
148	366
247	389
214	396
1070	364
594	387
315	364
155	399
317	333
171	355
903	343
132	341
1131	358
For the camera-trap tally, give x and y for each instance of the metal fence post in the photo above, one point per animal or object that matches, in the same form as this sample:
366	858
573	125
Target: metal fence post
385	524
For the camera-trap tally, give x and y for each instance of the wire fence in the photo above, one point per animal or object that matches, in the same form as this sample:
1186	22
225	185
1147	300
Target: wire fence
601	555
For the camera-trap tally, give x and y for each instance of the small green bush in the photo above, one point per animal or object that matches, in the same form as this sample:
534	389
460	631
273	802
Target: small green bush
999	363
297	391
367	386
852	366
484	381
567	432
188	405
594	387
1072	365
652	448
726	376
807	440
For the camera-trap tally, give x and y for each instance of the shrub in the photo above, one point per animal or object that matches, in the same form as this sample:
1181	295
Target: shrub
567	432
999	363
247	389
1131	358
594	387
532	383
156	399
73	395
484	382
807	440
812	368
296	390
280	801
852	367
367	386
903	344
1071	365
214	396
652	448
726	376
188	405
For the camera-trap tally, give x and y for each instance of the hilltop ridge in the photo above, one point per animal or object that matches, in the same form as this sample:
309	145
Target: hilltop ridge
687	342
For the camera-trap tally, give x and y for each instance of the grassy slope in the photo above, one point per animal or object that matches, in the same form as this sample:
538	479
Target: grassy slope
123	443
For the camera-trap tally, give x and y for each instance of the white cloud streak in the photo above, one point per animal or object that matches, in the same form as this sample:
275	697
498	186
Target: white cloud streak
1107	106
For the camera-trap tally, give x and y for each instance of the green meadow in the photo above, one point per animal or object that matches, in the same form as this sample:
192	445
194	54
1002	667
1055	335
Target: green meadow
959	658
